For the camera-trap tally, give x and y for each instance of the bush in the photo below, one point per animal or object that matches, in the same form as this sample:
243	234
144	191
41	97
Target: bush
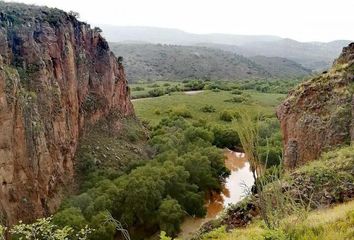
44	229
208	109
237	99
225	137
194	133
155	85
226	115
180	111
157	111
138	88
219	86
270	155
194	85
170	216
156	92
70	215
236	92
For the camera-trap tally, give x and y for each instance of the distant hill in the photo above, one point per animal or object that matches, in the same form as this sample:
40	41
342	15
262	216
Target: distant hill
172	62
313	55
281	67
176	36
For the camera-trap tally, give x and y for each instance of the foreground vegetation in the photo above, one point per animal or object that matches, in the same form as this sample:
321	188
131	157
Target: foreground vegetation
335	223
291	197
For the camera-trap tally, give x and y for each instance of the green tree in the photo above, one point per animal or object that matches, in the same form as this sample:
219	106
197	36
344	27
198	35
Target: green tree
104	229
199	168
70	217
170	216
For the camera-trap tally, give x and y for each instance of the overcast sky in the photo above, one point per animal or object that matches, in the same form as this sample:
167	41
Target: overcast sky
303	20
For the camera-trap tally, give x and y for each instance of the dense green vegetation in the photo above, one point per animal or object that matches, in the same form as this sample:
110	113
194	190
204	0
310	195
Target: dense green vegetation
153	195
217	109
185	163
263	102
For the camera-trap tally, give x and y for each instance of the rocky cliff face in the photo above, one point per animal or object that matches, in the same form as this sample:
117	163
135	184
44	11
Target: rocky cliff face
319	114
56	76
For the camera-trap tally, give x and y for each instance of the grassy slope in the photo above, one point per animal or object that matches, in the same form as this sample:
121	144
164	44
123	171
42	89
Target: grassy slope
334	223
110	148
332	175
145	108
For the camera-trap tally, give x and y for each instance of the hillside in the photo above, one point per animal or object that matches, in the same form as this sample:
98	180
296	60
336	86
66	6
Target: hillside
171	62
313	55
281	67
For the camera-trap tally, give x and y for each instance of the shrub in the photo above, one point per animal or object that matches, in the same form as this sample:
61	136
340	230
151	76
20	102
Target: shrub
236	92
72	216
170	216
44	229
157	111
194	133
138	88
208	109
270	155
155	85
226	115
156	92
180	111
194	85
237	99
225	137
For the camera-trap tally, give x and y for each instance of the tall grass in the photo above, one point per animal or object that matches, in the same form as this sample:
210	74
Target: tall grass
247	127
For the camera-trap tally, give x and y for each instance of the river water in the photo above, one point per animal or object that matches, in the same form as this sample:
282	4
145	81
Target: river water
233	191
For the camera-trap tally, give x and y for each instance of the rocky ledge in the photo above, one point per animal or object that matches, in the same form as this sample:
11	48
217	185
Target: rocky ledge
318	114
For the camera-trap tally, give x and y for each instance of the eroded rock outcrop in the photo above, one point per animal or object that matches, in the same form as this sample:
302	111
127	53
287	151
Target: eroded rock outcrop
318	114
56	76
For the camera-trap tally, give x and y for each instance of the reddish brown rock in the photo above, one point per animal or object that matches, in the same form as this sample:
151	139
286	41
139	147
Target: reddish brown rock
318	114
56	76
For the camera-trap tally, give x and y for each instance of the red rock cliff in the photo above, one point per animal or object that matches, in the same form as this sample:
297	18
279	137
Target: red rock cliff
318	114
56	75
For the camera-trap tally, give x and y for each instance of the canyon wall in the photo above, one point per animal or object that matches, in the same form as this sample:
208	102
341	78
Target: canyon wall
56	76
318	114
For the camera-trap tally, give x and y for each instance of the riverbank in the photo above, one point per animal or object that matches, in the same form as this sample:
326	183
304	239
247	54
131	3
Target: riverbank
233	191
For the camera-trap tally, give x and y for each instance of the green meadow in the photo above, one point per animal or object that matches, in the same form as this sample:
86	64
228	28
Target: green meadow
153	109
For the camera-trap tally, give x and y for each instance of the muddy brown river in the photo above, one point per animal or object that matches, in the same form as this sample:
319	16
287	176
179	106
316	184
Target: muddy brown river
233	191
